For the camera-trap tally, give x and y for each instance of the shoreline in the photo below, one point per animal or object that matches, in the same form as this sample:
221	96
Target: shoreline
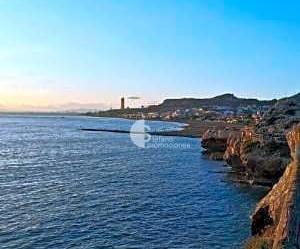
191	128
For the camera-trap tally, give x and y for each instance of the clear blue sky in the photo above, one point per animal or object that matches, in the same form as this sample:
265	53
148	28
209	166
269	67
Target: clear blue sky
60	51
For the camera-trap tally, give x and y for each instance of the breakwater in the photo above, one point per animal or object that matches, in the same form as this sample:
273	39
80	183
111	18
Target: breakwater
153	133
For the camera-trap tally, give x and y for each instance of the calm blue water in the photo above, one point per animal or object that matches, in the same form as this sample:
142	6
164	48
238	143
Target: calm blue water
65	188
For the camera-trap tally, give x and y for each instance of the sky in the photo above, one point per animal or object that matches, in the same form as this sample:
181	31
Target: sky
57	52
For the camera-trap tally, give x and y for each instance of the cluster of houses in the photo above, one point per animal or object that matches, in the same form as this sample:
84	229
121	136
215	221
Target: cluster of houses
215	113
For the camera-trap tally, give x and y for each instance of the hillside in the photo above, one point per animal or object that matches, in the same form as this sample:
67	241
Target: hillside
218	103
228	100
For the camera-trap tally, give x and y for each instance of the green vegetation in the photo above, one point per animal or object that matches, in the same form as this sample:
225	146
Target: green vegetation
257	243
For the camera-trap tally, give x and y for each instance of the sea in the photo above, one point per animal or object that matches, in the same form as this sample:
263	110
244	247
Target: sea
63	187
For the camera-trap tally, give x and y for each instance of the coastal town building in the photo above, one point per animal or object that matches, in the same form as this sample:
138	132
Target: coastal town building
122	103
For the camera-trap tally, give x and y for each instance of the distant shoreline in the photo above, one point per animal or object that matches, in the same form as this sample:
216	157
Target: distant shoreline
192	129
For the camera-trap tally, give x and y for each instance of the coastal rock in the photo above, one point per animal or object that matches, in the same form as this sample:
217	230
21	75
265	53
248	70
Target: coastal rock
274	218
262	151
215	143
256	156
233	153
259	158
217	156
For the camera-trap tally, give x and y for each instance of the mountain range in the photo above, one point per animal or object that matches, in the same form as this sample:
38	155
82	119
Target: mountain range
228	100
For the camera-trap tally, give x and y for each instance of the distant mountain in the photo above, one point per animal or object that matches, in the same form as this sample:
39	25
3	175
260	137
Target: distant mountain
228	100
79	107
68	107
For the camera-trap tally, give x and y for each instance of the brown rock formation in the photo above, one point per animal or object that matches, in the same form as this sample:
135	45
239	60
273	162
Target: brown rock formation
256	155
215	142
274	216
262	151
268	151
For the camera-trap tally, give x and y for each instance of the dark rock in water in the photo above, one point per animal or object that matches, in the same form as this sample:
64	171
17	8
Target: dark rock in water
213	155
260	220
218	156
215	142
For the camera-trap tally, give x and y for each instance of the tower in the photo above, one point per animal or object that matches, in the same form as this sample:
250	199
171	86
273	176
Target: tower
122	103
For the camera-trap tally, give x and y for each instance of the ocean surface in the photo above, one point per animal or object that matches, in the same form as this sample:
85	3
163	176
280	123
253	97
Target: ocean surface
61	187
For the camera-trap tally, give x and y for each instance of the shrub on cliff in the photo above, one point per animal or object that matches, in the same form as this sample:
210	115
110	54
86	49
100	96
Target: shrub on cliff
257	243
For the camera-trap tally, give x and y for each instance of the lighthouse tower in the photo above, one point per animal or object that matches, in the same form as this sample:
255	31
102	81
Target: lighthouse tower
122	103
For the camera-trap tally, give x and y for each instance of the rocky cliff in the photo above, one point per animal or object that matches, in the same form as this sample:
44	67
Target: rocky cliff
261	152
260	157
268	152
275	219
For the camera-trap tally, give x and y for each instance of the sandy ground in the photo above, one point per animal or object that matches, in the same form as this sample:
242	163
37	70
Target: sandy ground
196	128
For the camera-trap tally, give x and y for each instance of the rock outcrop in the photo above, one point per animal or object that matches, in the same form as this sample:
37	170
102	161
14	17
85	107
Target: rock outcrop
259	157
261	152
265	151
268	151
215	143
274	219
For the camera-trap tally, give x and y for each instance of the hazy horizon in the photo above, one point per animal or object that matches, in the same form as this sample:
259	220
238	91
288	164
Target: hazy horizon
85	107
90	53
